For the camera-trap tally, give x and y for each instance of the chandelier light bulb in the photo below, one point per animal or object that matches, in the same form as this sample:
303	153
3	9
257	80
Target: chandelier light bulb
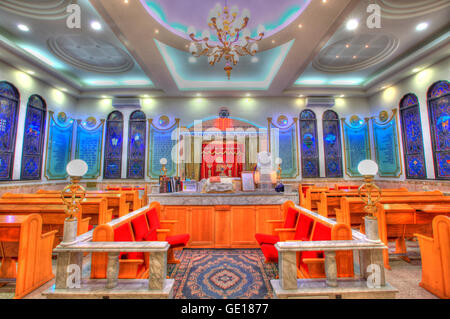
246	13
192	48
219	24
191	30
261	29
243	42
206	34
246	33
254	47
234	10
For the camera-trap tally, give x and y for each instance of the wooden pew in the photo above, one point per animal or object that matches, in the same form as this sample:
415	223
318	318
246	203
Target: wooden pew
95	207
351	211
331	200
132	196
23	243
312	197
53	214
116	202
435	252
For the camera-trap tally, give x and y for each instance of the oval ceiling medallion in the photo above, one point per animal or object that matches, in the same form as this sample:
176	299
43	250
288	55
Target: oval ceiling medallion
90	54
405	9
38	9
356	53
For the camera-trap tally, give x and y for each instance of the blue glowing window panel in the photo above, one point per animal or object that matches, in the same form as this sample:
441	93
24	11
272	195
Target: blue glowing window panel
439	115
9	108
332	144
309	145
161	145
113	146
387	153
136	145
356	145
89	148
59	148
33	139
411	127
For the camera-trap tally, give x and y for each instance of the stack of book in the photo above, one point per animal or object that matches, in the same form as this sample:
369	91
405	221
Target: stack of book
170	184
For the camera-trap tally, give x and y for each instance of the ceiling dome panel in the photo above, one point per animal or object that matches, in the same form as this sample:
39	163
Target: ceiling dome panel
38	9
405	9
178	15
90	54
355	53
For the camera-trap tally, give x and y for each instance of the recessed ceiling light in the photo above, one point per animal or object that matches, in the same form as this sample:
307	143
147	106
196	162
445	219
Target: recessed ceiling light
248	95
324	1
64	89
301	95
23	27
254	59
416	70
347	45
352	24
198	94
300	26
366	46
422	26
342	95
95	25
354	57
156	31
125	1
31	72
337	56
273	41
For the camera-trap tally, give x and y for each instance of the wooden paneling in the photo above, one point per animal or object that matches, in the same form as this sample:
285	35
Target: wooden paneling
202	226
179	213
222	226
243	226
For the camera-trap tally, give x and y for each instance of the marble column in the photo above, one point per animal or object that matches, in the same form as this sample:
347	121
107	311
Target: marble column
287	265
112	271
372	265
62	262
331	268
157	270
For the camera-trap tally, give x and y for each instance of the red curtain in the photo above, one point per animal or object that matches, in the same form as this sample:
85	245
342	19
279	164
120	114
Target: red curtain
231	159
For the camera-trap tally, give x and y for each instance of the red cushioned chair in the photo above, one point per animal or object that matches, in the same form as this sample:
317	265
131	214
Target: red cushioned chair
162	234
301	232
311	263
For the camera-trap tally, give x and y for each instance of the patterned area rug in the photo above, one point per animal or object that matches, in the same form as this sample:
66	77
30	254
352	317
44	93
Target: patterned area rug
222	274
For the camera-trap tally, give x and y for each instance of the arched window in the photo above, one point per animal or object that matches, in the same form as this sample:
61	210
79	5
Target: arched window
332	144
136	145
9	109
308	136
33	139
439	115
412	137
113	146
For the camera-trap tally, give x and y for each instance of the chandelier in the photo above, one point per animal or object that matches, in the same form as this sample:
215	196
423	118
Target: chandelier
234	38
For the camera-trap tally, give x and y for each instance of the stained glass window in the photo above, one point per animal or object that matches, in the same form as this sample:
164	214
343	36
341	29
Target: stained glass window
9	109
439	115
136	145
332	144
309	149
412	137
33	138
113	146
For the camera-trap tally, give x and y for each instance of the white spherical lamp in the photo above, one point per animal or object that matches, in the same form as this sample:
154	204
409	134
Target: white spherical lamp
163	161
77	168
278	160
368	168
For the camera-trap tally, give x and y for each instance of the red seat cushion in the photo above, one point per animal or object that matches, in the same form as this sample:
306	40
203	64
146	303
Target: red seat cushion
153	219
270	252
266	239
140	227
304	227
321	232
291	218
178	240
123	233
151	235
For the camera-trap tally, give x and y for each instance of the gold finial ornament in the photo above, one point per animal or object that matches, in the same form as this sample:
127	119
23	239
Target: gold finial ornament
163	170
366	191
73	194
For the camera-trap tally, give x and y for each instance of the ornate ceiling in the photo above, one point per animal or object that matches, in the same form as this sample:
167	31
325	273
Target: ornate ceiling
142	47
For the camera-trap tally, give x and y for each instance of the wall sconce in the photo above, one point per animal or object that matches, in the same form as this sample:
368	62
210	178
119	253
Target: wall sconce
163	162
72	195
366	191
